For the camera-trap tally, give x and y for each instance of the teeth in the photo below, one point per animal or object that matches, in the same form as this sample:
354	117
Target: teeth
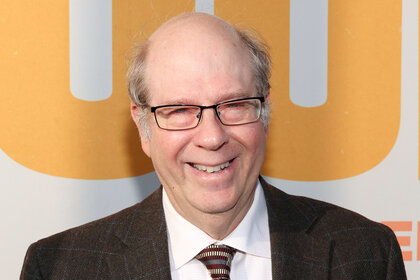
211	169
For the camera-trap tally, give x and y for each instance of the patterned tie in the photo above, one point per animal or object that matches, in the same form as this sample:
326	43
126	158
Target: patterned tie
217	259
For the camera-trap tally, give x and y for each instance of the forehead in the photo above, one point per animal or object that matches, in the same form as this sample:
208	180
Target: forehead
201	59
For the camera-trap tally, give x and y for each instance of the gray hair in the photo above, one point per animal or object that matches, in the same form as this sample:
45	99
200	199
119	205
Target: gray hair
261	64
139	93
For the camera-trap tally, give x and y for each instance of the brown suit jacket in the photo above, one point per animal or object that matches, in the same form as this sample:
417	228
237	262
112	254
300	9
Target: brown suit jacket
309	240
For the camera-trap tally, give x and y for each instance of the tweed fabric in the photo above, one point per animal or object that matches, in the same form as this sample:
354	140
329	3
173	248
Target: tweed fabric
309	239
217	258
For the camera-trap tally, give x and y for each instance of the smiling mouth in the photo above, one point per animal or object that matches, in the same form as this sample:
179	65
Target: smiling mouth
211	169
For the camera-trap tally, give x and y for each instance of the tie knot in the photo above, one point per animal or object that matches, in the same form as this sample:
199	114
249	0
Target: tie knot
217	259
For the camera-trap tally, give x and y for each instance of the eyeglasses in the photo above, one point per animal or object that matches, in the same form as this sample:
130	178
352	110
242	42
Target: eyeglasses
233	112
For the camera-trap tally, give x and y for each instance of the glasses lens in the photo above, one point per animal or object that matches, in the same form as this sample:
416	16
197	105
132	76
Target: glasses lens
239	112
177	117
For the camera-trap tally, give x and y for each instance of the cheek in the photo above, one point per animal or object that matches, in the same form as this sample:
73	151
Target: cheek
167	145
252	138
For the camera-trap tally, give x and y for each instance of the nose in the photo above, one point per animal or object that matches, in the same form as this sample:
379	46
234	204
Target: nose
210	133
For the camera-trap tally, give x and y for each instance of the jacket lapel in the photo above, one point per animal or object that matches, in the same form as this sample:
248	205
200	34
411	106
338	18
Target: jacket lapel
297	251
142	251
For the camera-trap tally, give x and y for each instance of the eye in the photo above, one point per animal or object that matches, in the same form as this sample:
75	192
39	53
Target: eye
235	105
178	111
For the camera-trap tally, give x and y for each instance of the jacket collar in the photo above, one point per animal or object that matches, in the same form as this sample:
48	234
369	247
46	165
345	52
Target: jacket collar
295	250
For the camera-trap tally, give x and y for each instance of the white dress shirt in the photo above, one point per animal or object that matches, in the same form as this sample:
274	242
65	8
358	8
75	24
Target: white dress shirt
251	239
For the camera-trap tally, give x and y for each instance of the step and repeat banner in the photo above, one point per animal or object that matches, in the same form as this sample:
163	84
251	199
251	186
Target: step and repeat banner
344	122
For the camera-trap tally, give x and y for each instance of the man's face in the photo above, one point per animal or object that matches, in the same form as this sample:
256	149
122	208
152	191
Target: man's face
187	73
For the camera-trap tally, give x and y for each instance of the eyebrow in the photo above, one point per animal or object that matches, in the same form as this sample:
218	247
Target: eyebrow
233	96
225	97
180	101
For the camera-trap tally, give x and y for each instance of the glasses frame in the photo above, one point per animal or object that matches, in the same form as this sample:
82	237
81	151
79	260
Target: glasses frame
154	108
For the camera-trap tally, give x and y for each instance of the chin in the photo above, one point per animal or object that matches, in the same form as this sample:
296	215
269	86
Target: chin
218	207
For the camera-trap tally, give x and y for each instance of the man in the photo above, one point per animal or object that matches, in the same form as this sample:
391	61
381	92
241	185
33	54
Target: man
200	99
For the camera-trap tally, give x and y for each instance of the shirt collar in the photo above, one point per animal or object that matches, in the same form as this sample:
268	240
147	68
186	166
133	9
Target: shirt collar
251	236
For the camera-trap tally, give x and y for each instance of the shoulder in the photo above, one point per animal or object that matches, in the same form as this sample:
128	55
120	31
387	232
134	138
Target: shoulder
340	223
90	232
332	219
116	224
337	240
88	243
327	220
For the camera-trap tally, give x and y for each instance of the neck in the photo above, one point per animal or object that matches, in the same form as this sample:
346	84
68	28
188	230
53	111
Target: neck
216	225
219	226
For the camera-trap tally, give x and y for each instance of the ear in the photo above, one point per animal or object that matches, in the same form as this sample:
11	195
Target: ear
267	97
145	141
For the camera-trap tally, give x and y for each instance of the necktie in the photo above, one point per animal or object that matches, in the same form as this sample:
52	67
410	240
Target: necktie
217	259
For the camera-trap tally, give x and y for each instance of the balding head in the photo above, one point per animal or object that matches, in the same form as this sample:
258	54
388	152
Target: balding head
190	22
187	38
